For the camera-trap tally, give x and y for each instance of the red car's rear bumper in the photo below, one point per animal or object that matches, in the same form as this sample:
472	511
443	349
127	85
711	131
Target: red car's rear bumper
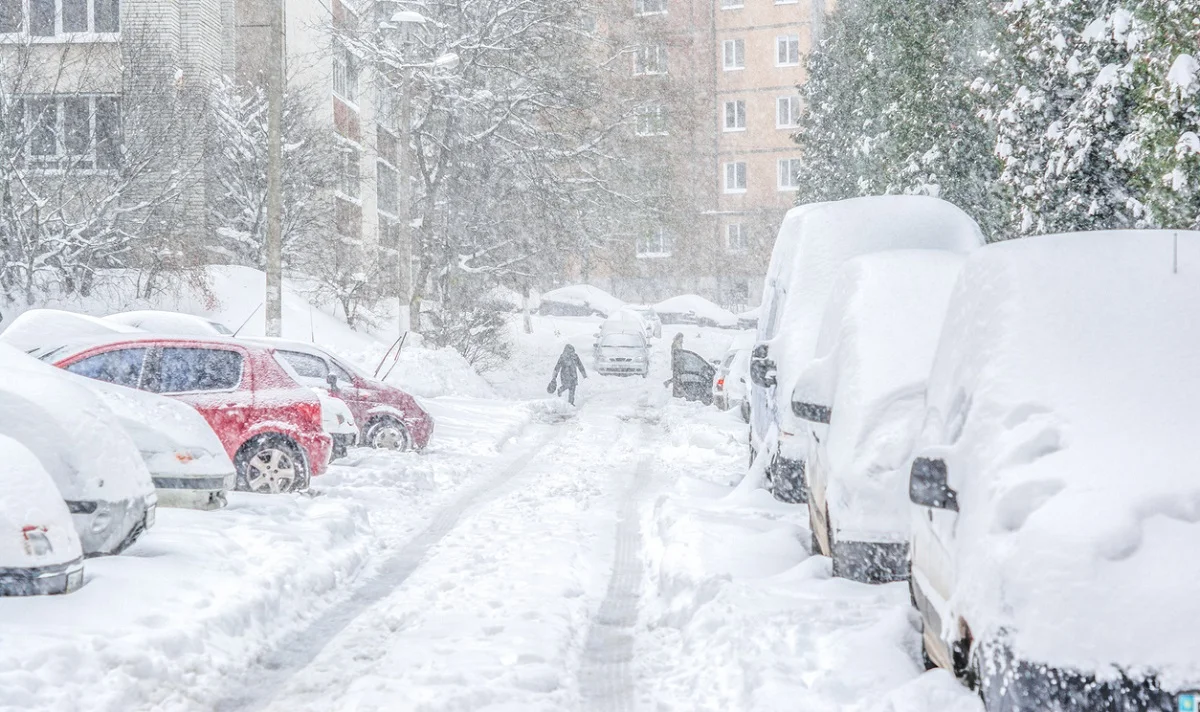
317	448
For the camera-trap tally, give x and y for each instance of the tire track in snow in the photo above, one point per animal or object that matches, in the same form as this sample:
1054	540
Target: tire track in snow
605	676
294	652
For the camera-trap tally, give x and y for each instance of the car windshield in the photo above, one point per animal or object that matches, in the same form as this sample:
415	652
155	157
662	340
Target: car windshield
623	341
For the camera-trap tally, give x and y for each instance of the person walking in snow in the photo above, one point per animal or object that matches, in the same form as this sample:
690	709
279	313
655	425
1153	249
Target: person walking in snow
566	373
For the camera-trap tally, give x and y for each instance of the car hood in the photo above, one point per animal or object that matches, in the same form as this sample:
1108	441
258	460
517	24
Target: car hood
32	509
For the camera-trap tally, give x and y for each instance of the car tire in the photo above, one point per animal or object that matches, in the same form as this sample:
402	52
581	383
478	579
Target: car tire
388	434
271	464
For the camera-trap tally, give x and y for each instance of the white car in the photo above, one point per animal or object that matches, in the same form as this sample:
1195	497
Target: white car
337	420
187	462
648	315
37	327
731	382
169	323
864	396
80	442
813	243
622	354
1057	503
40	552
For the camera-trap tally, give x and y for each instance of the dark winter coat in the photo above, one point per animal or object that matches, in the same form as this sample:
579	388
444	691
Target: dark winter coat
568	368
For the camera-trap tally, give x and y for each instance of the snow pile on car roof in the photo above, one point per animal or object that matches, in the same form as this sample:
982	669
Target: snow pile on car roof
1063	399
583	296
698	306
877	343
167	322
38	327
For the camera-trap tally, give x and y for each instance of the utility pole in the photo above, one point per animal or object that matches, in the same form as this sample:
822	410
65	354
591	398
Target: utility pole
274	257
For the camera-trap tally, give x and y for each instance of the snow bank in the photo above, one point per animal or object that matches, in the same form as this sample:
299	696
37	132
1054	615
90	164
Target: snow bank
1063	400
38	327
689	308
430	373
579	300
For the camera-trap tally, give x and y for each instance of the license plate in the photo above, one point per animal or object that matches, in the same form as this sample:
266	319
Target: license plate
75	580
1188	701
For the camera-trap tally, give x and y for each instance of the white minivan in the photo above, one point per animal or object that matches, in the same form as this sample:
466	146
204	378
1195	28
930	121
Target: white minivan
1057	499
813	243
864	396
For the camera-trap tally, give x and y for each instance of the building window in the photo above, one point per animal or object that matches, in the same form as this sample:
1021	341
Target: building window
735	54
654	244
349	175
388	146
787	50
650	60
651	121
735	237
389	233
735	177
52	18
345	74
789	173
732	4
649	7
735	115
76	132
387	188
787	112
347	218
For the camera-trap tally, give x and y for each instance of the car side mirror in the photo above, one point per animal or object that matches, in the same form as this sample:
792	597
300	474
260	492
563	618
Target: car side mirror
332	380
762	368
812	412
927	485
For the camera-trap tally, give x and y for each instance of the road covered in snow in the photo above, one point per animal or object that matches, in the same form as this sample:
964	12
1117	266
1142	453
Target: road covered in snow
535	557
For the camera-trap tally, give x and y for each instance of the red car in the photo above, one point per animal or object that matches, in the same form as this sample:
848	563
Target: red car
269	424
387	416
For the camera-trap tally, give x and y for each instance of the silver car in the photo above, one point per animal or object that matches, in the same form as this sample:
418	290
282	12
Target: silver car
622	354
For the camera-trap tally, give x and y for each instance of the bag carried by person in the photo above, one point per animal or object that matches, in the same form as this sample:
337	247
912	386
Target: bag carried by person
552	387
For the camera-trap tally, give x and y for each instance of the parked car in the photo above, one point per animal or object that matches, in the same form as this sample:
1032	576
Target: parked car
622	354
269	424
730	382
649	316
694	309
338	421
40	553
170	323
864	396
387	416
1054	478
187	462
32	328
813	242
77	439
692	376
578	300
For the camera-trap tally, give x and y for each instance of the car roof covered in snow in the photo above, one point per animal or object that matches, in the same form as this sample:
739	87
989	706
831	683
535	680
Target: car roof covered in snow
29	499
37	327
877	343
74	434
698	305
584	295
816	240
168	322
306	347
1063	401
55	350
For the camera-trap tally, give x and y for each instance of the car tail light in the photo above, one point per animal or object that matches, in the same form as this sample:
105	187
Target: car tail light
720	383
36	541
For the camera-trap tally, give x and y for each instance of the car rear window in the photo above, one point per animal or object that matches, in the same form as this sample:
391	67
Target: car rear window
183	370
122	367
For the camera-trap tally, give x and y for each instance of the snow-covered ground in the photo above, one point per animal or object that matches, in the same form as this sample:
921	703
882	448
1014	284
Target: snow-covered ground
534	557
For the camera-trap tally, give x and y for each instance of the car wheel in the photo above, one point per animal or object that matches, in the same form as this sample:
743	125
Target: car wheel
271	464
388	434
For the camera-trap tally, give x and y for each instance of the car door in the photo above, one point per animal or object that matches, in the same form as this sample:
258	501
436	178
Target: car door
693	376
213	380
931	542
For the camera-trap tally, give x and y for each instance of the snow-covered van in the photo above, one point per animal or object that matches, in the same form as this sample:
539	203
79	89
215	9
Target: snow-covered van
39	547
1057	499
813	243
80	442
864	396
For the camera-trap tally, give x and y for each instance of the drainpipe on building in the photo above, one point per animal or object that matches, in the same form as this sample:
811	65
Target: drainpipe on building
274	246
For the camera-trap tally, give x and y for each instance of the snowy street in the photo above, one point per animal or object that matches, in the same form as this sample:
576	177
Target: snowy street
535	557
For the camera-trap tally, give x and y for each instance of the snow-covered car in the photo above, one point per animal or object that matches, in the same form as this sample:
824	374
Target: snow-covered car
864	395
1054	477
651	317
338	421
187	462
694	309
579	300
387	417
622	354
40	553
35	327
80	442
813	243
730	383
170	323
